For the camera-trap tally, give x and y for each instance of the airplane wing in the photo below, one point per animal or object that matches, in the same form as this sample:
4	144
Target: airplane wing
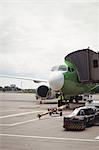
25	78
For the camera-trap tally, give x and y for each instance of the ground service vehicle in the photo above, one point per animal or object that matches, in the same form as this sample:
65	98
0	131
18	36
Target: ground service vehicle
80	118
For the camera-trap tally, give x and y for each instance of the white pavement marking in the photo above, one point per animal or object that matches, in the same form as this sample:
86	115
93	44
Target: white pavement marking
5	125
25	107
7	110
97	138
49	138
19	114
19	123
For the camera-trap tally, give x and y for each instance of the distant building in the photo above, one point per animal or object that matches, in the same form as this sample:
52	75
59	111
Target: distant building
13	86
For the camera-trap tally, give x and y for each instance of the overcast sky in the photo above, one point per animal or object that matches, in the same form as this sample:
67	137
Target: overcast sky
37	34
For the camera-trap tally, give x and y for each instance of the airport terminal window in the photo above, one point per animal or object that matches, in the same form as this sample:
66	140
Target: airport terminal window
95	63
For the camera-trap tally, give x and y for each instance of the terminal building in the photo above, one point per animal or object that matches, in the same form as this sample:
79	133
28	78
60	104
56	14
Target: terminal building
87	64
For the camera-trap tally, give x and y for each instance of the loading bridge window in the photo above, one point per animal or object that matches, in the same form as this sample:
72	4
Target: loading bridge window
95	63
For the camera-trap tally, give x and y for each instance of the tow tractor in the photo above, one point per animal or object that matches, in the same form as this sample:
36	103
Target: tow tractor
81	118
52	111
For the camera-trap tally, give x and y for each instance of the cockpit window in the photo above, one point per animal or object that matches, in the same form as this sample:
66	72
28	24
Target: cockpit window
55	68
60	68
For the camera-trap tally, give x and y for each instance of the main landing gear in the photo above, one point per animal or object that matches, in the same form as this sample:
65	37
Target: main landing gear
71	99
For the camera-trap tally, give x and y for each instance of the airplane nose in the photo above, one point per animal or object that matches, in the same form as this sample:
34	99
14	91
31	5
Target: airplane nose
56	81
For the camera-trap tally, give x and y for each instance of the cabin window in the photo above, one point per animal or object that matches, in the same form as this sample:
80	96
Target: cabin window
95	63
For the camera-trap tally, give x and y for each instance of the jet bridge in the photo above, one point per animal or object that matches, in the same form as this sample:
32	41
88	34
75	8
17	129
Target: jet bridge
87	64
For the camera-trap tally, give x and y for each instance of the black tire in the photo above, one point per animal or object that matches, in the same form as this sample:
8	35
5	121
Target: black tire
71	99
59	103
61	113
50	113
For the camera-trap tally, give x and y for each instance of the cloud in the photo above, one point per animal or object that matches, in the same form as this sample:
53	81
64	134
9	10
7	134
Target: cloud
34	36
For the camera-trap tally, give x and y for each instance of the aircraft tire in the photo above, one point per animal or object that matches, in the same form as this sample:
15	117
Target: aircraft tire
59	103
61	113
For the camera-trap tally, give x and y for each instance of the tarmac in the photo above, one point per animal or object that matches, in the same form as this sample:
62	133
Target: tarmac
21	129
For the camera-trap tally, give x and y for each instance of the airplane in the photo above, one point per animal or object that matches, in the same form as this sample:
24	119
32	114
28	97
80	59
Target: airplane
64	80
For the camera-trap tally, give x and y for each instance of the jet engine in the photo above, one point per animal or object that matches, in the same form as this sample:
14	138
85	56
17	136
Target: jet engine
44	92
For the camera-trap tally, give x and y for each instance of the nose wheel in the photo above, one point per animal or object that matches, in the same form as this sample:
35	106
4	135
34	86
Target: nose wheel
60	100
60	103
